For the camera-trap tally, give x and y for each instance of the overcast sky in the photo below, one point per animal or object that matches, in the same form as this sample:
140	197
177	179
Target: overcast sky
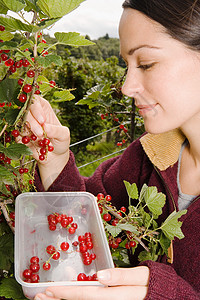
92	17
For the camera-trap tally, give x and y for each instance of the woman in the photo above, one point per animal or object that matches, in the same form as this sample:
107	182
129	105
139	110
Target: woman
160	44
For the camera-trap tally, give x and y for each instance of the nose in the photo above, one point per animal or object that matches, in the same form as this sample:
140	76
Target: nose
132	85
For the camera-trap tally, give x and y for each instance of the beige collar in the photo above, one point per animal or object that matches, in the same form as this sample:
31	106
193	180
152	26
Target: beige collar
163	149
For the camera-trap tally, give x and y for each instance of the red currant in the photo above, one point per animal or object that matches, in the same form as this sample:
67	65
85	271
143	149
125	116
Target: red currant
81	277
12	215
33	137
4	56
25	63
50	249
12	69
132	244
27	88
22	98
41	157
64	246
100	196
107	217
108	198
18	64
56	255
9	62
34	267
30	73
72	230
27	273
46	266
34	260
35	278
15	133
2	28
25	139
20	81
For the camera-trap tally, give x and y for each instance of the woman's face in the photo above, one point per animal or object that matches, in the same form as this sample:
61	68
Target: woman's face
163	75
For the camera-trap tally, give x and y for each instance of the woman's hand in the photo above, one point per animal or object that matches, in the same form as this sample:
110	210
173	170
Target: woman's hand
121	283
42	119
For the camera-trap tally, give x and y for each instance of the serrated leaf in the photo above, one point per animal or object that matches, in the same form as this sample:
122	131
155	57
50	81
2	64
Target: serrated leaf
113	230
53	10
6	36
44	85
172	227
46	23
6	251
142	192
30	5
154	200
11	289
8	45
49	59
72	39
12	24
15	151
88	102
128	227
6	176
132	190
7	89
164	242
62	96
15	5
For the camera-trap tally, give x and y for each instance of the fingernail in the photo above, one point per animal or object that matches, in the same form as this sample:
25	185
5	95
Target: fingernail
104	275
49	294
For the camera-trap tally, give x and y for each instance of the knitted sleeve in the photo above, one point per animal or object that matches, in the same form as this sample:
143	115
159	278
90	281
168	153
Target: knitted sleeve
164	283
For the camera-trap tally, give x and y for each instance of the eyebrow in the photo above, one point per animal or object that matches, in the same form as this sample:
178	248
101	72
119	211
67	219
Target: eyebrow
133	50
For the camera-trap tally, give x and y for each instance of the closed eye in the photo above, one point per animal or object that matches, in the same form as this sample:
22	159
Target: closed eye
146	66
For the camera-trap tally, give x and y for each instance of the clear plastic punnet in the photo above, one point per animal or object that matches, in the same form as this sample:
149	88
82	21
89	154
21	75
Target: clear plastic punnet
32	236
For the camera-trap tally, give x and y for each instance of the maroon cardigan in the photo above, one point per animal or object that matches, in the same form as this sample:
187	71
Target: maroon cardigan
177	281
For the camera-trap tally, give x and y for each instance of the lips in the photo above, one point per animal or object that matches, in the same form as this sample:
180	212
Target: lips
143	109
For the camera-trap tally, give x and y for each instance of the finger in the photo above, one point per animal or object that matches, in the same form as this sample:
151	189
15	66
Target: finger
96	293
124	276
34	126
44	297
58	132
37	111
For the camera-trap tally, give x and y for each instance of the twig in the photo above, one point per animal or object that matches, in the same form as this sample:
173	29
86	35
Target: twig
4	128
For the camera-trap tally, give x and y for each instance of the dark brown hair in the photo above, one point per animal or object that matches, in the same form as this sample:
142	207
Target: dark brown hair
181	18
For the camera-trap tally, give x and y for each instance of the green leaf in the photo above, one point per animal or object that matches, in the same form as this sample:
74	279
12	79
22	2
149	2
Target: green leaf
62	96
10	288
171	227
53	10
43	84
88	102
144	255
6	36
6	252
113	230
8	45
72	39
15	5
128	227
46	23
31	5
154	200
49	59
12	24
3	8
131	190
7	89
165	243
15	151
11	115
6	176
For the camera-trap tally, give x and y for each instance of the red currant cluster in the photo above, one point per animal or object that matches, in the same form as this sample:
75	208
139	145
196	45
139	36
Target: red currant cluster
30	275
112	216
83	245
64	220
